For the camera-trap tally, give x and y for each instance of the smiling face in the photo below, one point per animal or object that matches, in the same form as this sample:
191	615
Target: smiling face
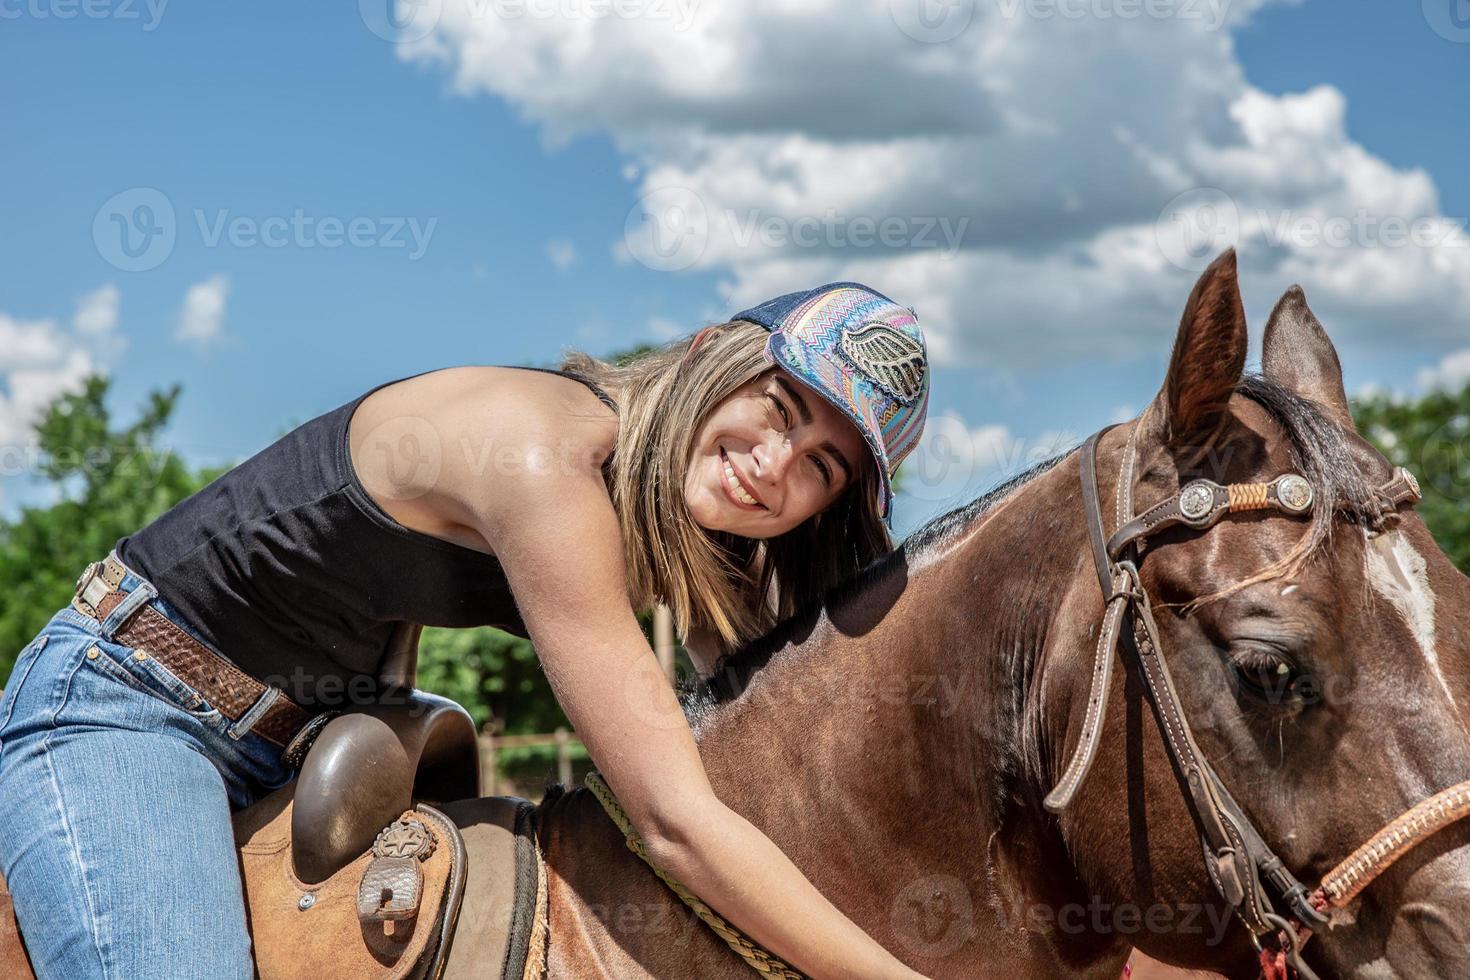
771	454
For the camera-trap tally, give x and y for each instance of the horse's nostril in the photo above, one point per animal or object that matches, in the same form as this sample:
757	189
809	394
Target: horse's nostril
1431	937
1442	924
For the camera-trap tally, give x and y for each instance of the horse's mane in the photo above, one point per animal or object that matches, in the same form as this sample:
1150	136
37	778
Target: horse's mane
732	672
1320	451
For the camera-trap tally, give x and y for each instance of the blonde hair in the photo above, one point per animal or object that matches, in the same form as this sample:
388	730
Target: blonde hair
736	587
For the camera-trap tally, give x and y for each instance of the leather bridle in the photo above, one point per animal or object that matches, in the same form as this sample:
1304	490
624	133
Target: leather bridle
1245	871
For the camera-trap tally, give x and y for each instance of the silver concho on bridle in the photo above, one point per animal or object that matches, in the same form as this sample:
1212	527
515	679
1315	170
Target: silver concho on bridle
1294	493
1412	480
892	358
1196	501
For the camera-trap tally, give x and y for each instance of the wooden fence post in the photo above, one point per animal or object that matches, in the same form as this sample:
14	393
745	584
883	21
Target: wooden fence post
489	760
563	758
663	639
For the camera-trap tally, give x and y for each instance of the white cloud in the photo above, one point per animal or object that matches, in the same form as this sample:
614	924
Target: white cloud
201	320
97	311
1369	390
96	320
947	464
593	332
562	253
1051	144
1451	374
40	360
955	461
664	330
29	344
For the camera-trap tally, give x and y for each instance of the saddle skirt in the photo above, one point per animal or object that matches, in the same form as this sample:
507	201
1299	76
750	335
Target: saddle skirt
303	931
377	917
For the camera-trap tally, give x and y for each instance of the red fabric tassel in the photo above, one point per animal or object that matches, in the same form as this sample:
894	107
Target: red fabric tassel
1273	965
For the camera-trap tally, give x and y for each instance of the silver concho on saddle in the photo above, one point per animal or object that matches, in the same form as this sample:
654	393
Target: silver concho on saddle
393	883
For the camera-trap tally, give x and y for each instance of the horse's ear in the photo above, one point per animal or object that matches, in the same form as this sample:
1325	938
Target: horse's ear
1299	355
1209	354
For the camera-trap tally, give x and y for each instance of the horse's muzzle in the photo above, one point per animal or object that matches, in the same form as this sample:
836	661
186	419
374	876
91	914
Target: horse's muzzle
1430	936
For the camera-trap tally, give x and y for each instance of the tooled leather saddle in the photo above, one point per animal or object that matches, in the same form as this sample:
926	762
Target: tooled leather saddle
353	870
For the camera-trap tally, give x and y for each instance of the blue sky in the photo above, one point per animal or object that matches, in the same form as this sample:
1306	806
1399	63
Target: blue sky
246	113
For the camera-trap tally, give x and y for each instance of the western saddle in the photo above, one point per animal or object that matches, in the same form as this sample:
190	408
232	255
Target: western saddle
352	869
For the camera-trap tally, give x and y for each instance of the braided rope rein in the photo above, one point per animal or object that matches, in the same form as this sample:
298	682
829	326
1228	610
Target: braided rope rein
757	958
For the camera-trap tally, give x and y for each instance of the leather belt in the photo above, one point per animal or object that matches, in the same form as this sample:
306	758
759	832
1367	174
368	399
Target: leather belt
221	683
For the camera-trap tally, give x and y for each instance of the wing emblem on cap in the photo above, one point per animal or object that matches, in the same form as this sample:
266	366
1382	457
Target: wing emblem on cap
891	358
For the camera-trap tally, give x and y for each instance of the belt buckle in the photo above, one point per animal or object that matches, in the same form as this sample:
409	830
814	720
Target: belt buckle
84	580
88	574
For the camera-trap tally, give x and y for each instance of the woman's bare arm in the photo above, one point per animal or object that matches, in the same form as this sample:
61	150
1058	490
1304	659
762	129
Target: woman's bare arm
558	539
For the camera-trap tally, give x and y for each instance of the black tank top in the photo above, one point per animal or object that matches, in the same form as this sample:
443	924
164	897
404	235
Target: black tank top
288	568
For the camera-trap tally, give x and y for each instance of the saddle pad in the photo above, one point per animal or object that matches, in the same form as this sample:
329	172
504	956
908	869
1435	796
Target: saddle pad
503	934
308	932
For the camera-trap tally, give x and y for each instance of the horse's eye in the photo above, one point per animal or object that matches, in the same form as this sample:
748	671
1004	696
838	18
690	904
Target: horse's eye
1267	675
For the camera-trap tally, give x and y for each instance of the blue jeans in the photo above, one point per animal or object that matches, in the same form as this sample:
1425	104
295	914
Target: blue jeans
117	785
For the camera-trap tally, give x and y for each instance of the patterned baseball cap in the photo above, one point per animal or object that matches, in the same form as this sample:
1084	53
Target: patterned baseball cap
864	354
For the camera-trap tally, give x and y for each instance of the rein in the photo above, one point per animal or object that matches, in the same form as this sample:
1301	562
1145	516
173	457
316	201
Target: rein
1242	867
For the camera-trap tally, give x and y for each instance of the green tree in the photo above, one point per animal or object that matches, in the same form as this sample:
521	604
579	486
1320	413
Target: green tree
1431	436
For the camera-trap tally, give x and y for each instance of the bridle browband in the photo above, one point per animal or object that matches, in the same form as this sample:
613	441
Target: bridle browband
1241	865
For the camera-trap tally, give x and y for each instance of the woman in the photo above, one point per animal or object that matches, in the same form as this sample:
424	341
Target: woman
733	475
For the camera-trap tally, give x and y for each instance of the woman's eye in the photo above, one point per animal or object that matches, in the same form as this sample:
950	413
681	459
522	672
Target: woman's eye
780	407
824	469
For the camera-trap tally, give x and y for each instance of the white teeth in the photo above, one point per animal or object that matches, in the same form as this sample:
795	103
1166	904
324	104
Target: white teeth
739	491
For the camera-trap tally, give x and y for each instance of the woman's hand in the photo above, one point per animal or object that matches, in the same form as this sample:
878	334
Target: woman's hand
557	537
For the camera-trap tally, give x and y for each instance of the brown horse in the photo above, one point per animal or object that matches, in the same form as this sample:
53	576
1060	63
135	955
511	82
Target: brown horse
897	741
